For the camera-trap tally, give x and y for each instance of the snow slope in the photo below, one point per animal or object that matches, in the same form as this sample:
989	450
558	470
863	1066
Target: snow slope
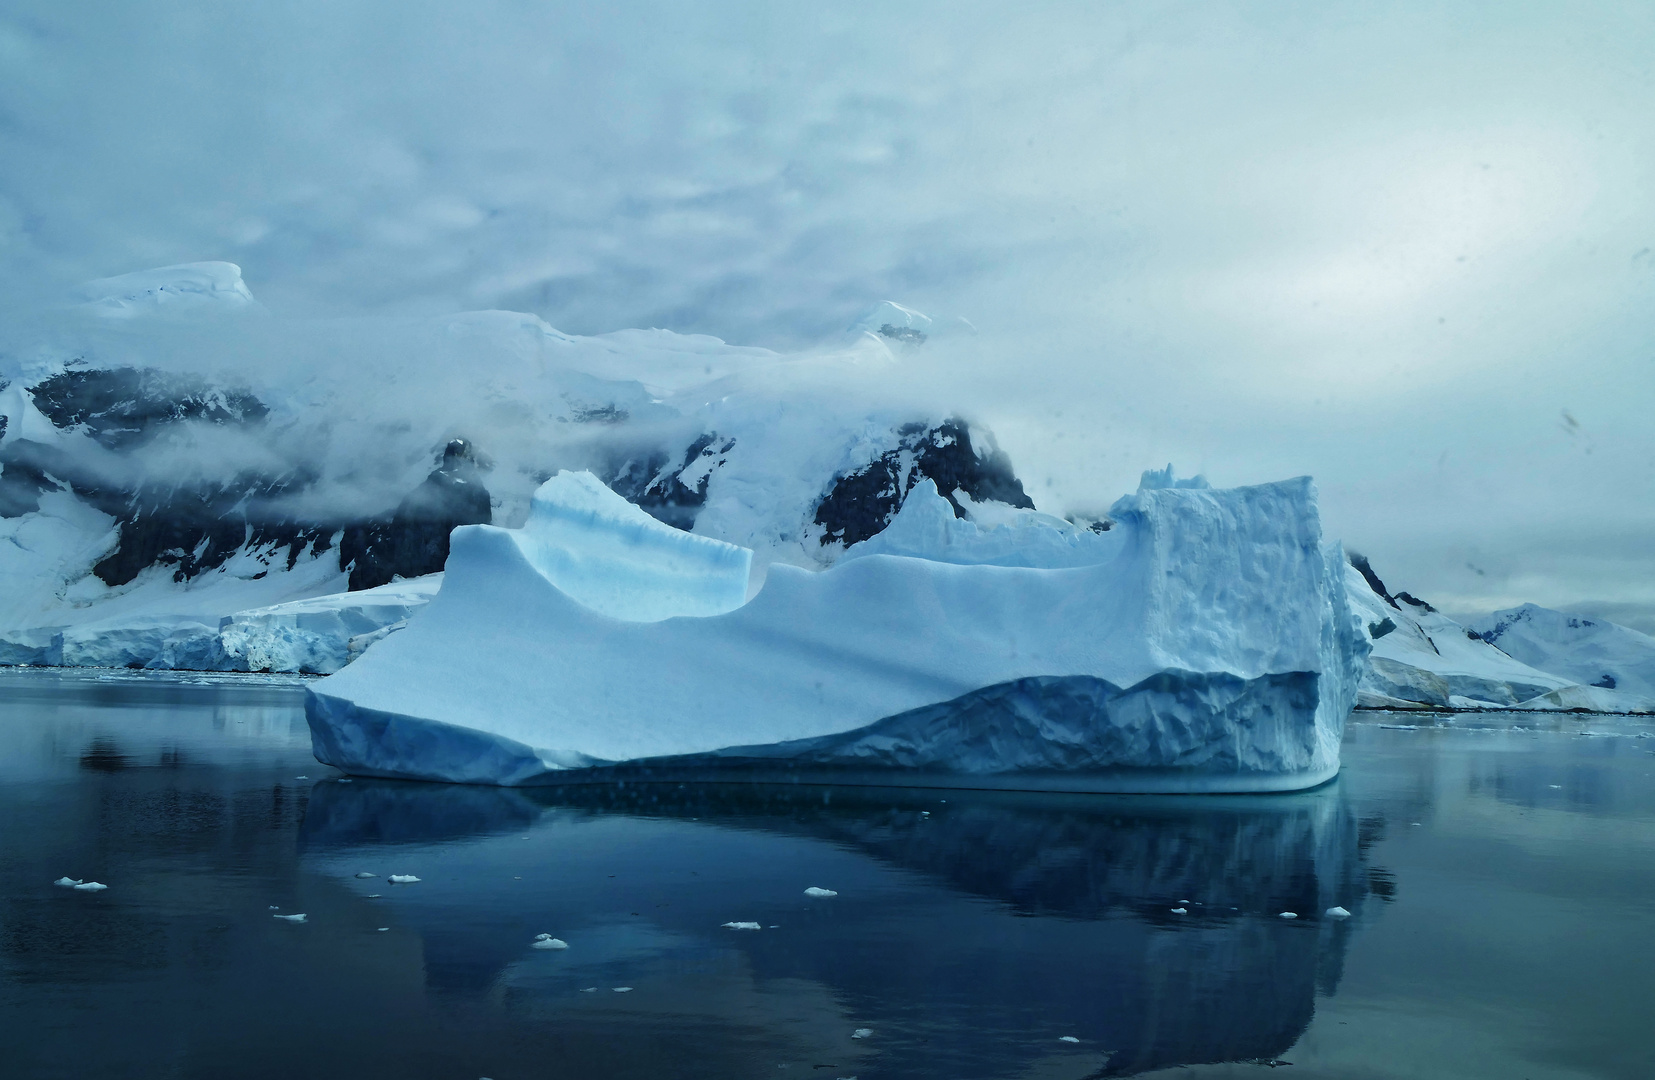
1423	659
1209	648
1591	652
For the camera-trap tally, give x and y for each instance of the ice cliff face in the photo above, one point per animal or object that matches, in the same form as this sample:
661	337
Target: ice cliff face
1203	643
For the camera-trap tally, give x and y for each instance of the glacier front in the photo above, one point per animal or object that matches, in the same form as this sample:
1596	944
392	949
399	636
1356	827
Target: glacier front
1202	643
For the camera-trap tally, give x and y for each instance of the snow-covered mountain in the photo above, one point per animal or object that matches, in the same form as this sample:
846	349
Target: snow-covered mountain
1423	659
171	455
1591	652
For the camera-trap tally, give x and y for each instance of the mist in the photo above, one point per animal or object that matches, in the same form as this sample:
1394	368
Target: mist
1406	249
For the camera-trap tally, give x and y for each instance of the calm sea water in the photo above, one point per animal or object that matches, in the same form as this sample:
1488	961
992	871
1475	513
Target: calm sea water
1499	870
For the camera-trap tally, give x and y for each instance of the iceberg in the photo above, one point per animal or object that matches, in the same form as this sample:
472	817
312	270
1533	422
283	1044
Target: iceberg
1202	643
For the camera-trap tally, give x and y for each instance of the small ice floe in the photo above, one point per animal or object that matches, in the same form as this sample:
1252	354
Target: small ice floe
365	874
402	879
1180	911
547	941
814	891
289	918
621	989
382	929
67	882
1336	912
861	1033
584	989
1555	787
344	779
741	926
301	778
375	896
1067	1038
925	813
90	886
1290	914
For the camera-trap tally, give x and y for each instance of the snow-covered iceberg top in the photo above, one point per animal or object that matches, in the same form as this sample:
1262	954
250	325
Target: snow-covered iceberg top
1202	643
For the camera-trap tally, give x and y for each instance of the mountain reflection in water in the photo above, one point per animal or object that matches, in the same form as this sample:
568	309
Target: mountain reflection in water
952	985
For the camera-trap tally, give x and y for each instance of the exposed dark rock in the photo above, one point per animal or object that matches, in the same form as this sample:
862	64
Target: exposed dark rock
905	334
1363	567
192	527
862	502
414	539
1409	598
1607	682
671	490
21	484
1382	627
122	407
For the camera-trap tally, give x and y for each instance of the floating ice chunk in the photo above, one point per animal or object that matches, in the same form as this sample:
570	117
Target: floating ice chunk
365	874
289	918
382	929
588	989
402	879
1180	911
91	886
621	989
861	1033
1067	1038
741	925
1336	912
344	779
374	895
814	891
1290	914
301	778
67	882
547	941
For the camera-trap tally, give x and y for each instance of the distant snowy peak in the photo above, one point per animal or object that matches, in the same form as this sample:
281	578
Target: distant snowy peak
1592	652
894	323
171	289
1527	657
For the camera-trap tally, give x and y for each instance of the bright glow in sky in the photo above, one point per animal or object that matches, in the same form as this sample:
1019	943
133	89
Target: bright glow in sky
1385	244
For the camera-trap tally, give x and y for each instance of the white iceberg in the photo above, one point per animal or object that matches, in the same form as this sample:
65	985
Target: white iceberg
1208	648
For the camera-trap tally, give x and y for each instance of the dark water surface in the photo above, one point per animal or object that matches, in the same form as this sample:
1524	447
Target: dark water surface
1500	872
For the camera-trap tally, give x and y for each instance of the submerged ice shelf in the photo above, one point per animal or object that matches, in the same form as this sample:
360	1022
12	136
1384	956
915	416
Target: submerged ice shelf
1203	643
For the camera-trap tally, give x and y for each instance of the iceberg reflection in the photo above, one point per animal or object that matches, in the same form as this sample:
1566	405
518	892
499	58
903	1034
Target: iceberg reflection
1002	919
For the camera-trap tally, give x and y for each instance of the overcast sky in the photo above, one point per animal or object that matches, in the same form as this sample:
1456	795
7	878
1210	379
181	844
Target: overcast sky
1406	248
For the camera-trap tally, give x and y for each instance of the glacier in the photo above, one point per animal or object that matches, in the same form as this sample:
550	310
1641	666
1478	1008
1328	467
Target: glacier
1203	642
1594	653
1526	658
